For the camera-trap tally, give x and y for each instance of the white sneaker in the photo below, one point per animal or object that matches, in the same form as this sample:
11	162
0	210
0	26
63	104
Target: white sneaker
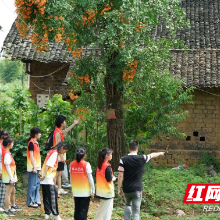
33	205
61	191
56	217
47	216
1	209
66	186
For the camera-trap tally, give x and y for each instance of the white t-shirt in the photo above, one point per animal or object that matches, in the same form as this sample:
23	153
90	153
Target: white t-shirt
50	163
0	158
7	161
88	168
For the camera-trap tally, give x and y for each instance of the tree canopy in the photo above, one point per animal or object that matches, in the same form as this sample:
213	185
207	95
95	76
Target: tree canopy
131	69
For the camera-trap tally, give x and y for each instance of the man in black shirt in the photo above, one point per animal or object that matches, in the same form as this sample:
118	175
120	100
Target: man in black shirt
131	169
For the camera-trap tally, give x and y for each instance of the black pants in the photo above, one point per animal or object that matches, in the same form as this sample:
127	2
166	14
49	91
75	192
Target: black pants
50	199
81	207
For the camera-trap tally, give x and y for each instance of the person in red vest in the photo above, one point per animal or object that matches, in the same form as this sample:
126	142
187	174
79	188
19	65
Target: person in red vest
33	168
47	176
104	185
3	134
58	136
82	184
9	176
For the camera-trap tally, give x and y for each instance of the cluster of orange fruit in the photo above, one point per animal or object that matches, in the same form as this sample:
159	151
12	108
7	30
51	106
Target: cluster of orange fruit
89	17
73	96
23	29
81	78
77	52
84	79
82	111
130	73
107	8
24	7
139	27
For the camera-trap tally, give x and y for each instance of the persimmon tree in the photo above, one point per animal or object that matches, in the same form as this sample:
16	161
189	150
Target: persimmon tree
129	51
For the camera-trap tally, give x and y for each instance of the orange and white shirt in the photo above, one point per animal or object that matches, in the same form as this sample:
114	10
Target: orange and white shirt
60	132
1	157
51	161
36	154
79	178
8	160
103	188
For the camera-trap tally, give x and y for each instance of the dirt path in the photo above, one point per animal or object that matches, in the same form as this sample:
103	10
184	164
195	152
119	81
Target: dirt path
65	203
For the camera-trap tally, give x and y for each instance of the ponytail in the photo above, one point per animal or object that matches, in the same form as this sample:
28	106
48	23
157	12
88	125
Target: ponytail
60	145
4	134
102	154
33	132
80	153
7	141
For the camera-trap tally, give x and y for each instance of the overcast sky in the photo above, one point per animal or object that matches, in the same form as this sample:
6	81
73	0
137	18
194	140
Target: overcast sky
7	17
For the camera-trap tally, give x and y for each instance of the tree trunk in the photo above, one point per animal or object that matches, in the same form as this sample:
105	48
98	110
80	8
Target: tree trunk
115	127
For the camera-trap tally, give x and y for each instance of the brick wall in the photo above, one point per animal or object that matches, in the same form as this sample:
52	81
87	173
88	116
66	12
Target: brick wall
202	127
52	83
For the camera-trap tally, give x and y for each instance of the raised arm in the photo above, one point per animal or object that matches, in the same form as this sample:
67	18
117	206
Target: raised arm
154	155
70	127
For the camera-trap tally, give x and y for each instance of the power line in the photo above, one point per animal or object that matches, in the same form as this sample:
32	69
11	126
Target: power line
208	92
52	72
40	87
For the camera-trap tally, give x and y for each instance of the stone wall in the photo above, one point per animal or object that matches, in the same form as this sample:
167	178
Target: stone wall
49	84
202	127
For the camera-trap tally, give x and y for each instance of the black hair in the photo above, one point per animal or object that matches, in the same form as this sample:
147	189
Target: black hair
4	134
80	153
7	141
59	120
33	132
133	145
60	145
102	154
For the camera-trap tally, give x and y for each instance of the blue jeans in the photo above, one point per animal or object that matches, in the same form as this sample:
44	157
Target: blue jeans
33	194
132	202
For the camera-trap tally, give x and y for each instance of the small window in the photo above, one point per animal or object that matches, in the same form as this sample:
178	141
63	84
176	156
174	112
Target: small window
188	138
195	133
202	138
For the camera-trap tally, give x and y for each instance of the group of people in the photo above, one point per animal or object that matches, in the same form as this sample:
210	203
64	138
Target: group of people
131	168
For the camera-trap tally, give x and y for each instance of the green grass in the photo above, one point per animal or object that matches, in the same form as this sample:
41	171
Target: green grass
164	190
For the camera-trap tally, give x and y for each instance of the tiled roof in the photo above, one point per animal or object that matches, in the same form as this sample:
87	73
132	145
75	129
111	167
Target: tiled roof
200	66
15	48
204	31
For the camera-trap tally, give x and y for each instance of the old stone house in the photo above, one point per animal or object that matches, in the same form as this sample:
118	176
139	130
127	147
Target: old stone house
199	66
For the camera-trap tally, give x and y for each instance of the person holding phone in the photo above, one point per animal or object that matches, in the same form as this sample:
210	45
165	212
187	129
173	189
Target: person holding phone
82	184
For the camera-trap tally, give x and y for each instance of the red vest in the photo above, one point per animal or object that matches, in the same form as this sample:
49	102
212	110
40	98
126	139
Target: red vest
103	188
5	175
36	155
51	172
79	179
57	130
